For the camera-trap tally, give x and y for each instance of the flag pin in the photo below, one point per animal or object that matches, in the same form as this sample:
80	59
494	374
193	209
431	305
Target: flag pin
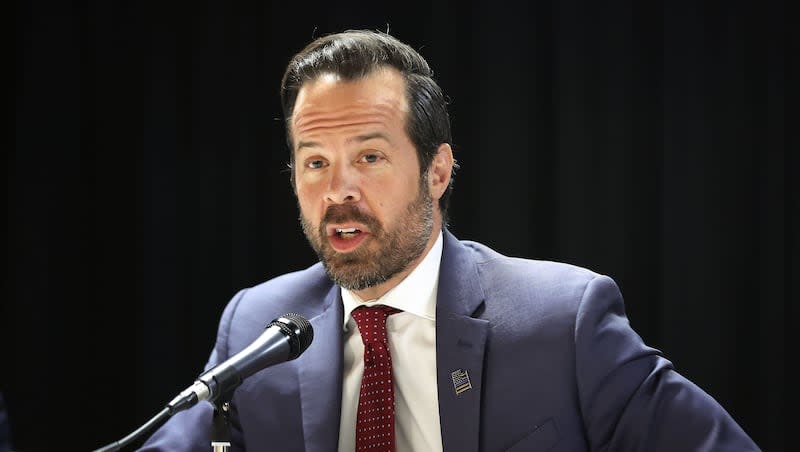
461	381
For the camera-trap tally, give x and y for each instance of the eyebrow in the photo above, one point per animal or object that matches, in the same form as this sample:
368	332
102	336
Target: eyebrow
370	136
306	144
358	139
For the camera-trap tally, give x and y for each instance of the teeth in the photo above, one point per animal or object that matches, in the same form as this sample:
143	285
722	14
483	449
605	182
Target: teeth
345	230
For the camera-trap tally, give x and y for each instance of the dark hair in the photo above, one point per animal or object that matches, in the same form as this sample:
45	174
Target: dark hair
355	54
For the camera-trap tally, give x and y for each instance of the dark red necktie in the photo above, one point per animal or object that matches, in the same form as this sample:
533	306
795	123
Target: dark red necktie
375	419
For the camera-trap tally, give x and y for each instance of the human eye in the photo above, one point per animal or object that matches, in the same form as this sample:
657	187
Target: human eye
370	158
315	163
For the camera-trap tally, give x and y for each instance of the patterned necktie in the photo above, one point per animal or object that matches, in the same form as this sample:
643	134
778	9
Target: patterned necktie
375	419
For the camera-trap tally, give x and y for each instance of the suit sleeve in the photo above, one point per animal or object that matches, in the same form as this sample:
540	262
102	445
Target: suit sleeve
191	430
631	397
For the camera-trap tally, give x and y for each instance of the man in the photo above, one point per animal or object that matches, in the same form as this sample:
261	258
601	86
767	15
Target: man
487	352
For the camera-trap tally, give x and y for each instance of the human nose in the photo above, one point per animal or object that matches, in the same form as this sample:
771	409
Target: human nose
343	185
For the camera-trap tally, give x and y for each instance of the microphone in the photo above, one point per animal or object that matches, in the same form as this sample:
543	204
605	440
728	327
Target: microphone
284	339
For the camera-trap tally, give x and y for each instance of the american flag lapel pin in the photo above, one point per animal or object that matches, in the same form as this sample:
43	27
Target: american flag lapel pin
461	381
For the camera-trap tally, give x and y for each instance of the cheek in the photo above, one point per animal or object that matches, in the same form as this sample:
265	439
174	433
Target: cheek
388	198
305	198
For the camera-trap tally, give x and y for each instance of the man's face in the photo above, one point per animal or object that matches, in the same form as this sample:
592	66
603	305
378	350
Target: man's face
363	205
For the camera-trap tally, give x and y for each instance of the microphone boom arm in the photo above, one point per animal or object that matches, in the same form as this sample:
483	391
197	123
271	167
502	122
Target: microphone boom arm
285	339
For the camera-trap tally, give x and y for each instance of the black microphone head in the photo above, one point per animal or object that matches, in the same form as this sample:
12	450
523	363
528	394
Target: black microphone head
298	330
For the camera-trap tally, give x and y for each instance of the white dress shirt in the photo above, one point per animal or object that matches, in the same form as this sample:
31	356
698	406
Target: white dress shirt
412	344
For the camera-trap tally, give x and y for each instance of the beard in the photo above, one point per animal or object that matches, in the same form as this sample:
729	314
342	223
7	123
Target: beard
366	267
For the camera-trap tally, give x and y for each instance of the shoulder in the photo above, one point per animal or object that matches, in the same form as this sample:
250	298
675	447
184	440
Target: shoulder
533	288
310	283
302	292
498	271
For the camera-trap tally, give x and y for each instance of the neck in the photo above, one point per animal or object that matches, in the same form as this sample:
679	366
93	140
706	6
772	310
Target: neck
374	292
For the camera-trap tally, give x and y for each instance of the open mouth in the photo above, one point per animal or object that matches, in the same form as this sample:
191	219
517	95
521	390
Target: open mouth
346	238
348	233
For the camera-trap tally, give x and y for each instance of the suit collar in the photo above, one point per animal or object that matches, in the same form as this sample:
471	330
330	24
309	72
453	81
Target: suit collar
459	286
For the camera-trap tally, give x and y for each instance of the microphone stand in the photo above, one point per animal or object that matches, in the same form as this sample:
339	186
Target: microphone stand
220	426
220	429
117	445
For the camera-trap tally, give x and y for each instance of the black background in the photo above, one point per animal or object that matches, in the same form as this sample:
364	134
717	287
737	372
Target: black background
643	140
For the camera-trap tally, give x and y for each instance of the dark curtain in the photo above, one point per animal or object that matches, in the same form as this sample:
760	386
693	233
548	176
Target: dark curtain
148	183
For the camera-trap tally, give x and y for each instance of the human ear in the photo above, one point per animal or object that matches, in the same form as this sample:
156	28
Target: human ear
440	171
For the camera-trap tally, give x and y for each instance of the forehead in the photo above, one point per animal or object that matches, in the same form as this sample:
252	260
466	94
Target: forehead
329	104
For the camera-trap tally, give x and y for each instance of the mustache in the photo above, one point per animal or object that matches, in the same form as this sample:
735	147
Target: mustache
342	213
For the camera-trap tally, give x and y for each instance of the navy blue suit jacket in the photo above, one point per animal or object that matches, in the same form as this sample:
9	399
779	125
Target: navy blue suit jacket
553	363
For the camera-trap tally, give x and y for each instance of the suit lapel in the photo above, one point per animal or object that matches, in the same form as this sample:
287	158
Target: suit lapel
460	344
321	377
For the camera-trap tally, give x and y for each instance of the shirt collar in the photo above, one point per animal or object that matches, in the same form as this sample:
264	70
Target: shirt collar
415	294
